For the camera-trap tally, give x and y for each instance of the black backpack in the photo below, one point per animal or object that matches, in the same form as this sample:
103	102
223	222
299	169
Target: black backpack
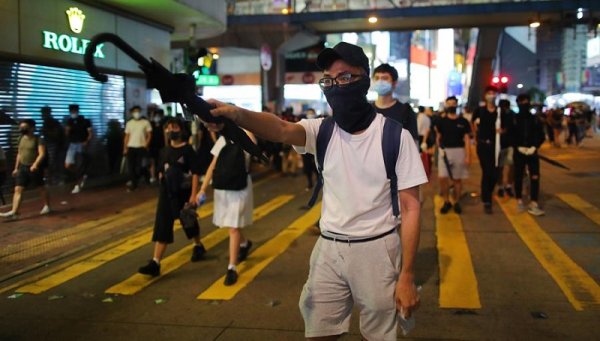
230	171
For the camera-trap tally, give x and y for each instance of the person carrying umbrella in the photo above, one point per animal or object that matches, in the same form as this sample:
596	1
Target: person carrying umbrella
528	137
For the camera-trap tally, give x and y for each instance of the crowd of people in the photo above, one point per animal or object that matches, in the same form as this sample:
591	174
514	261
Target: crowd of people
360	155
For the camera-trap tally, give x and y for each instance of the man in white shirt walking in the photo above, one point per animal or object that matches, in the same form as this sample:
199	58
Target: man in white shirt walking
138	133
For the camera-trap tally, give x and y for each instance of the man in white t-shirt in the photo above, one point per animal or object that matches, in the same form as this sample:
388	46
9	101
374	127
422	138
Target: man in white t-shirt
138	133
358	259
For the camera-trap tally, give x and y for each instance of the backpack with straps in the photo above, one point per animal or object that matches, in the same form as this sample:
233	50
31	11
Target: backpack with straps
392	131
230	171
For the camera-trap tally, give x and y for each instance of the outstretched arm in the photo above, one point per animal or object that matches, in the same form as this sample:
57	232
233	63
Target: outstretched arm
265	125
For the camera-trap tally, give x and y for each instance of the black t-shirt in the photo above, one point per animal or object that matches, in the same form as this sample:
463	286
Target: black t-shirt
507	123
78	131
486	128
404	114
183	157
453	131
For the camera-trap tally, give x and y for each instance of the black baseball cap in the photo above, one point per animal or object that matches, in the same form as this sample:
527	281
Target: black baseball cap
73	107
351	54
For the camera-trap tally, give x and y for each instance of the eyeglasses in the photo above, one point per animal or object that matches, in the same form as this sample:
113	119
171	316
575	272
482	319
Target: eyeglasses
341	80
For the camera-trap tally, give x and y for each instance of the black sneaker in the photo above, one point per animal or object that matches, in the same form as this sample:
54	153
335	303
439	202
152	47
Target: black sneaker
198	253
487	208
150	269
500	192
447	206
244	252
457	208
230	278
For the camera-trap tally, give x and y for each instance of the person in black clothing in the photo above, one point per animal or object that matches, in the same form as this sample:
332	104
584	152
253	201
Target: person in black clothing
528	137
385	79
157	141
54	136
179	172
505	159
78	130
114	145
308	160
454	148
484	120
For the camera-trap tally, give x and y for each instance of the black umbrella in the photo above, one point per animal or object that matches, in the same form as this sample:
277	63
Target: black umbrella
553	162
5	119
446	162
180	88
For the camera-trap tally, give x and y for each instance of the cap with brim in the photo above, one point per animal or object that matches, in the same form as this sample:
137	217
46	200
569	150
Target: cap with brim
351	54
73	107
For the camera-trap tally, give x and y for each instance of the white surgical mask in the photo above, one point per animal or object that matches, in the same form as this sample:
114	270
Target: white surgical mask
74	116
136	115
382	87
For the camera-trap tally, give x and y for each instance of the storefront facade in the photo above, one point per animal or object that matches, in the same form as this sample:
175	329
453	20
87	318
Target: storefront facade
41	63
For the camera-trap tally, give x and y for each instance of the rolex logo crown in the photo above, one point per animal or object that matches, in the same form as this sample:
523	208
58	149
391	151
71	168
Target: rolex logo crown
76	18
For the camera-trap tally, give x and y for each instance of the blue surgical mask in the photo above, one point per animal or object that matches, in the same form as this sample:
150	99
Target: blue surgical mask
382	87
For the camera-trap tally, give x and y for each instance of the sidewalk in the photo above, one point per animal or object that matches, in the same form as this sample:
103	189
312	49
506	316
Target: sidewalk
102	211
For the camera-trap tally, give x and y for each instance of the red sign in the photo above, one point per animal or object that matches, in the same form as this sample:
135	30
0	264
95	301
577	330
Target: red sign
227	80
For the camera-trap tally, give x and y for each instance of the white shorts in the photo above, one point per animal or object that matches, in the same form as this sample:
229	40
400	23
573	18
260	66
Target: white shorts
506	157
72	151
342	274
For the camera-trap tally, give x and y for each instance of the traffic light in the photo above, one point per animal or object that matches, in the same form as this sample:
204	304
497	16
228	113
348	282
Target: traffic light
501	82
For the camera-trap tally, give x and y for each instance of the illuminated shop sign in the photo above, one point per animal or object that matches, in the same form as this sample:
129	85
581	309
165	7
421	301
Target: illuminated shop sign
67	43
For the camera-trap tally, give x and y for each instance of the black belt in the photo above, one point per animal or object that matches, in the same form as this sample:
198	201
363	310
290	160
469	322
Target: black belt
486	141
350	241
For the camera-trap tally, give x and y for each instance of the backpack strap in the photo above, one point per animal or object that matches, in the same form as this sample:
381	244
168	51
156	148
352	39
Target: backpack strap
323	137
392	131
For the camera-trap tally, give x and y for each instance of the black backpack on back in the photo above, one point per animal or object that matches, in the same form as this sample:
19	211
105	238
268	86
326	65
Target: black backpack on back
230	171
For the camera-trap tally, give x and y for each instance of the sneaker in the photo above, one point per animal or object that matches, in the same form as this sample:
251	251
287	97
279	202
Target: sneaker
198	253
45	210
231	277
520	206
509	192
457	208
9	215
76	189
244	252
500	192
535	210
150	269
487	208
152	181
447	206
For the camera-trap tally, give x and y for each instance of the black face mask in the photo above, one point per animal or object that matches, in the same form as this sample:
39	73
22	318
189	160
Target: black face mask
524	108
351	110
174	135
24	131
451	110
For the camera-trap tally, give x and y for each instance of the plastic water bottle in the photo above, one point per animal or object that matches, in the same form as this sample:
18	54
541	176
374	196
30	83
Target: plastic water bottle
201	200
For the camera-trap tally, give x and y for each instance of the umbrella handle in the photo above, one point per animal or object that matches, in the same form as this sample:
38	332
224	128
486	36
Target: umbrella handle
101	38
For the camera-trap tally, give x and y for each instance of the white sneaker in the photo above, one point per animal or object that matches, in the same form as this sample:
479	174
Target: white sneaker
76	189
83	179
10	215
45	210
535	210
152	181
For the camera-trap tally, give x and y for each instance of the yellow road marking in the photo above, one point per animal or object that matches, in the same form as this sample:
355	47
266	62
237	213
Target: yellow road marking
458	283
263	256
137	282
94	261
576	202
134	241
577	285
31	248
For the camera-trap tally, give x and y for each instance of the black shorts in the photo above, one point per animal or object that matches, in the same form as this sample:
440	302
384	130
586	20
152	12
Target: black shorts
167	211
27	178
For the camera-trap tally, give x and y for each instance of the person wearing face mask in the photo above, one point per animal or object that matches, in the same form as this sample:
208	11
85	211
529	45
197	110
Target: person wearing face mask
385	79
505	159
358	225
78	131
29	168
484	122
157	142
528	137
138	134
179	174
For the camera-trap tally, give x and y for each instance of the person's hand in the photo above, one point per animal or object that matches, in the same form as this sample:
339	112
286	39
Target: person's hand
33	168
407	296
200	198
467	160
14	173
125	151
423	146
522	150
225	110
442	152
531	150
